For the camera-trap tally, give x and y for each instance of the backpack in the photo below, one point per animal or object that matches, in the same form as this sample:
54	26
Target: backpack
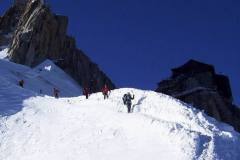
124	99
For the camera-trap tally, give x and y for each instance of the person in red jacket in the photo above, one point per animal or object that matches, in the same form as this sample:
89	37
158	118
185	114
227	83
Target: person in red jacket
105	91
86	92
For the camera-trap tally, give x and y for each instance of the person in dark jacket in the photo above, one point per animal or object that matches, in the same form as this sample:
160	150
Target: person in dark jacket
105	91
21	83
56	92
127	100
86	92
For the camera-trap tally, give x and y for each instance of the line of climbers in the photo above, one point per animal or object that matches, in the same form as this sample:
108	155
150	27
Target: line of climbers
127	98
105	91
86	91
56	91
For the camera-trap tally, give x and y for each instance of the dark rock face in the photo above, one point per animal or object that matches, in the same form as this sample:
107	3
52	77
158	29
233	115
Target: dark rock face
197	83
20	2
8	24
41	35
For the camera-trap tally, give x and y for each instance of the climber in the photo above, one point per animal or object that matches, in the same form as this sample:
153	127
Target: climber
105	91
56	92
21	83
86	92
127	100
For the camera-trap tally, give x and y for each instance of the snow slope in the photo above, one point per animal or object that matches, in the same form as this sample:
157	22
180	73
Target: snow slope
51	75
44	77
161	127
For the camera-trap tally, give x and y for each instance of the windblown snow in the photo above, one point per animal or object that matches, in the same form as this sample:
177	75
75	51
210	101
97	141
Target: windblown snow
40	127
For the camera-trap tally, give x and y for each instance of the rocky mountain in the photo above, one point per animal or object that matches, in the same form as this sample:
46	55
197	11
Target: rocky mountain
38	34
198	84
8	23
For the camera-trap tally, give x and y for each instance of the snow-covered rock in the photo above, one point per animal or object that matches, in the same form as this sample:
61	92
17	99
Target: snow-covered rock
160	127
3	52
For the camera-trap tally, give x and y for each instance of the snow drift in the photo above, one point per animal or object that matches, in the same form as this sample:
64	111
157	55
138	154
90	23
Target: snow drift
160	127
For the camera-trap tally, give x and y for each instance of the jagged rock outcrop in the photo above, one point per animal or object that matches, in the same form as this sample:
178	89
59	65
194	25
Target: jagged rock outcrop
8	23
197	83
41	34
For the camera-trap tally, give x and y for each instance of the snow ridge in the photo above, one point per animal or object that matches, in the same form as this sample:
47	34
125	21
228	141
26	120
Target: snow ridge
160	127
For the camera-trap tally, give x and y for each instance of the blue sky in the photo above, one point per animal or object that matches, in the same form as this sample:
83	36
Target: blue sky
137	42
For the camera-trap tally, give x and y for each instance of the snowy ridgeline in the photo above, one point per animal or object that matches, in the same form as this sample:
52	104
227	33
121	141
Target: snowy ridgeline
35	126
75	128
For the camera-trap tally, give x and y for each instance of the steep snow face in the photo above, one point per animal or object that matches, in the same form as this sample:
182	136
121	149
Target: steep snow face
54	76
160	127
37	81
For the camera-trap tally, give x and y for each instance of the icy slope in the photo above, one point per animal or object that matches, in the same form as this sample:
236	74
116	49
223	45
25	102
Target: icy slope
74	128
44	77
51	75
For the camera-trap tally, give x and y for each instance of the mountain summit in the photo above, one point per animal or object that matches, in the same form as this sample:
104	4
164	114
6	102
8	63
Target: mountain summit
34	34
198	84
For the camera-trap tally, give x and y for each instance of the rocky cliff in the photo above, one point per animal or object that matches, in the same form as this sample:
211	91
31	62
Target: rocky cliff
40	34
8	23
197	83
